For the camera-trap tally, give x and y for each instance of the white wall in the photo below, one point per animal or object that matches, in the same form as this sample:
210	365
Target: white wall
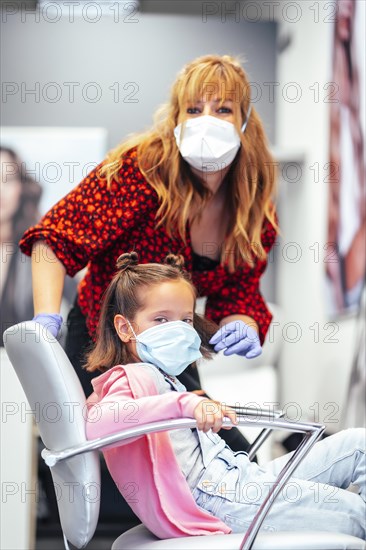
314	374
114	73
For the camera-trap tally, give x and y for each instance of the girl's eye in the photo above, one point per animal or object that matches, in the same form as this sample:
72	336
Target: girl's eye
190	321
225	110
161	319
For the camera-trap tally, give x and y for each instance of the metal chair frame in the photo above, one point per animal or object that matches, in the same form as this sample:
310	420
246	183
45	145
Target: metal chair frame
45	373
246	417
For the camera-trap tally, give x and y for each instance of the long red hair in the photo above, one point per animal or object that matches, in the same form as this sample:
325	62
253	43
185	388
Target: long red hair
252	176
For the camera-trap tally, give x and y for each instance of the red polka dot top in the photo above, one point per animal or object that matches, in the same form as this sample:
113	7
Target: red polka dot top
94	224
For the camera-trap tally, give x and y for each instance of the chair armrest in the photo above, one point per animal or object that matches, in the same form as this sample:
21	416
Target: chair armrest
265	433
311	432
257	411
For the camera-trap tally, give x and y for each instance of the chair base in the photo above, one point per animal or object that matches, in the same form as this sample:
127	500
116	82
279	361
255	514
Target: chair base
140	538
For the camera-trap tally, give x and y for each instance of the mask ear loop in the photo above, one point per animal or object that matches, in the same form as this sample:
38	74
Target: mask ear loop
131	327
247	119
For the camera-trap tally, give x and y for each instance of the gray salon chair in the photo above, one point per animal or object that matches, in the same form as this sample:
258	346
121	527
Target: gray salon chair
52	387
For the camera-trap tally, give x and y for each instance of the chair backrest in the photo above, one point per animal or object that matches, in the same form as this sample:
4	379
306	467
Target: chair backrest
57	399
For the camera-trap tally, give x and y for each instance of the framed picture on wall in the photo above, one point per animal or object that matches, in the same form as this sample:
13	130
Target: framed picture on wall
38	167
346	257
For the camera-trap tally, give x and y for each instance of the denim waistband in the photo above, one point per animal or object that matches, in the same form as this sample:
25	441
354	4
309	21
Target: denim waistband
229	456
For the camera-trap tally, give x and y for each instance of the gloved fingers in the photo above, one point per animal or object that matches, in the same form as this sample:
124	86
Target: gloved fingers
226	342
221	334
252	334
239	327
245	348
215	338
241	348
238	338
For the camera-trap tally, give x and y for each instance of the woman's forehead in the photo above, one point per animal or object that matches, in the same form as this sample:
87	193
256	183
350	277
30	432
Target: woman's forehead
215	100
212	91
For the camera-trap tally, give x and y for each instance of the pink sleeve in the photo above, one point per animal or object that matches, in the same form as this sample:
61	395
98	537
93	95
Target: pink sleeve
118	410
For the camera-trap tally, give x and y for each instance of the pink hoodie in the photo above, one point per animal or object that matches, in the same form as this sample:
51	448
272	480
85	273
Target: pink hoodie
146	470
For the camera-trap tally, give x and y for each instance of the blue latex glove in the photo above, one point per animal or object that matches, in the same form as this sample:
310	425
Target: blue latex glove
237	337
52	322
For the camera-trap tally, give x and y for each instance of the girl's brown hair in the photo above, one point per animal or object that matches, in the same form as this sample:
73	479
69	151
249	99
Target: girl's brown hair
123	297
251	179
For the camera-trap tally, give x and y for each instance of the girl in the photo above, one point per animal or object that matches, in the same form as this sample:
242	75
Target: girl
189	481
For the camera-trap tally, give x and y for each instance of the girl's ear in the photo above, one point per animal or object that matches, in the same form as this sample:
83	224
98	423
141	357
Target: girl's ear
123	328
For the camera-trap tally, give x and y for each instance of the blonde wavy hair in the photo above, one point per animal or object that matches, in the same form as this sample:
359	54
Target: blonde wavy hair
251	178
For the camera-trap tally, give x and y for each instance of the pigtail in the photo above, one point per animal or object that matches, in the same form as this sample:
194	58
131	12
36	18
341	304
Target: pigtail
126	260
175	261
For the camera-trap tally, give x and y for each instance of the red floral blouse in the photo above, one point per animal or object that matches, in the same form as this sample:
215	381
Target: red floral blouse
94	224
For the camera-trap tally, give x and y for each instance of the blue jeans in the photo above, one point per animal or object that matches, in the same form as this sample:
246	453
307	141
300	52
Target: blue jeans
232	488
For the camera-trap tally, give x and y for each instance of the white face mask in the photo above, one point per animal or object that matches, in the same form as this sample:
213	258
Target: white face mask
170	346
208	143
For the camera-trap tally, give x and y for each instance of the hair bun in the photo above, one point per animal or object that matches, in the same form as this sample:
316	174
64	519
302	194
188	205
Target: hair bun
175	261
127	260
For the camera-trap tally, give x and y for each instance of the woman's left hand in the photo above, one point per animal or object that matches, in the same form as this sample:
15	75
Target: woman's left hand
237	337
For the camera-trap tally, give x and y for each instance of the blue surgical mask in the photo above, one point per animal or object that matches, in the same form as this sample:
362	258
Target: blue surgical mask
170	346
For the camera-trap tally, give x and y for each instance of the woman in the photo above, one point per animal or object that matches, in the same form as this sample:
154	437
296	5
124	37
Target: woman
200	183
20	196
